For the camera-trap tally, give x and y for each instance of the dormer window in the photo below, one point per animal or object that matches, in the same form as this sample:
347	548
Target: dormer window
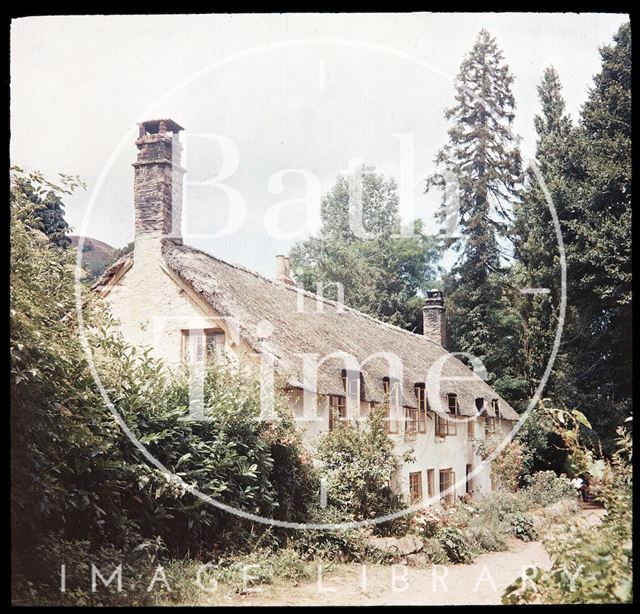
392	403
445	425
423	407
353	383
479	405
495	405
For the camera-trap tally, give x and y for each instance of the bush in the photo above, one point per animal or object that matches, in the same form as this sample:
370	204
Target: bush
455	544
523	527
76	475
590	564
545	487
357	462
488	536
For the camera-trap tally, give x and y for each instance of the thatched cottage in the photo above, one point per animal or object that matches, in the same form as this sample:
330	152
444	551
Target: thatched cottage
182	303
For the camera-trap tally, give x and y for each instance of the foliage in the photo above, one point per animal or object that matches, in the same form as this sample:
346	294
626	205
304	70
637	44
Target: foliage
357	462
39	202
506	467
455	544
545	488
542	447
76	474
382	272
587	171
523	527
591	564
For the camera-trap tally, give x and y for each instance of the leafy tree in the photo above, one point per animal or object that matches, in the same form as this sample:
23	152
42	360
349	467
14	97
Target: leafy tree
358	462
381	272
47	213
482	155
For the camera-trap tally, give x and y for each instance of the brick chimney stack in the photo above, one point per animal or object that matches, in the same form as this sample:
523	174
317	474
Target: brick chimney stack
433	322
157	190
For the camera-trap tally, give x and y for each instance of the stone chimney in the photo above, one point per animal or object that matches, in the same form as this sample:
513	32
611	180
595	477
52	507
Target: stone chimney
157	189
283	270
433	323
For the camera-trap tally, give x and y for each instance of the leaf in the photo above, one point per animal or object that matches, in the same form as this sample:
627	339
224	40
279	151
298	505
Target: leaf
581	419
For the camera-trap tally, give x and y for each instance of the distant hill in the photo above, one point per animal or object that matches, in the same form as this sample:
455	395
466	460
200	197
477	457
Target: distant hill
96	255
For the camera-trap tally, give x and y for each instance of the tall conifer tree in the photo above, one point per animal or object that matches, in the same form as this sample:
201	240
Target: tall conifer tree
483	159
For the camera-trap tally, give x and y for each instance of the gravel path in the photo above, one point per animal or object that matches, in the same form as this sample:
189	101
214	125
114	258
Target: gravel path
482	582
479	583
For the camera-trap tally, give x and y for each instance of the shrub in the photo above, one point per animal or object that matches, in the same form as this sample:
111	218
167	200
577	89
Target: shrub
434	552
507	466
523	527
590	564
76	475
358	461
545	487
489	536
455	544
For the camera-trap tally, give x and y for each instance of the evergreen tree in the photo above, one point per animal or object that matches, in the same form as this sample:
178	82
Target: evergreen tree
382	273
598	228
587	170
482	154
536	245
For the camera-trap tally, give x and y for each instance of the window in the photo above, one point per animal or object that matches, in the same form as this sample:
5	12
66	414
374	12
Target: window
392	403
489	426
353	384
445	425
447	480
430	485
469	488
415	486
495	405
423	407
471	428
411	421
337	409
198	344
479	405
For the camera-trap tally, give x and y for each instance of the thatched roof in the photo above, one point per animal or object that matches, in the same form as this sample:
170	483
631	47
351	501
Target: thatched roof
250	298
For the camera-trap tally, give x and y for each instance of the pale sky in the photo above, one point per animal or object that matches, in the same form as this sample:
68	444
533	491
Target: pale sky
321	89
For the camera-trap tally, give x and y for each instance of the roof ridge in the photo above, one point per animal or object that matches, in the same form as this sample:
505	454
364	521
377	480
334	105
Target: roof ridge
307	293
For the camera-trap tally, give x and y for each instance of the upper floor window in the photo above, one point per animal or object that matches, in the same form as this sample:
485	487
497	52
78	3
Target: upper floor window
353	384
423	407
452	404
445	425
495	405
392	403
337	410
199	345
